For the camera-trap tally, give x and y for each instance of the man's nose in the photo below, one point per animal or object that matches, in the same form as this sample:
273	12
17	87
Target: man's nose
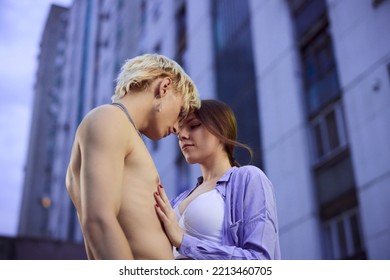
175	128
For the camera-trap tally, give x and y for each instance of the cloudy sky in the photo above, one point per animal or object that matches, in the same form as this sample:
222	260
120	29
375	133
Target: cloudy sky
21	26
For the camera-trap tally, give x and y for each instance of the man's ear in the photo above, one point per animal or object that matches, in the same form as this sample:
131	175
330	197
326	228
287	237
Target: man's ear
165	84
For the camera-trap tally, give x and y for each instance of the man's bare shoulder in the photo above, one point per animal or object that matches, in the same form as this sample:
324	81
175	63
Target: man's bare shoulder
101	117
102	122
101	113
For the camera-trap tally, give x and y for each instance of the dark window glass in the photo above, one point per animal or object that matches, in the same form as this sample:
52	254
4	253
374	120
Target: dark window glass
342	239
325	61
356	239
333	134
328	134
307	14
321	81
318	140
334	180
329	242
319	68
332	166
343	236
235	75
181	34
310	69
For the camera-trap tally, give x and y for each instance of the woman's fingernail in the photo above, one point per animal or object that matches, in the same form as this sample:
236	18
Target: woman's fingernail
157	205
156	193
161	186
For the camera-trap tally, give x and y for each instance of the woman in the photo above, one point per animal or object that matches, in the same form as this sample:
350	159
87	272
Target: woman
231	212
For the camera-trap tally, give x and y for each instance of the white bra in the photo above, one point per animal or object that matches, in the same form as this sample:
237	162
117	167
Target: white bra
203	218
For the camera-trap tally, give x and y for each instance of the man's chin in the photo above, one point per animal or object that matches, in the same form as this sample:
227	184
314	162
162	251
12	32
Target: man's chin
154	137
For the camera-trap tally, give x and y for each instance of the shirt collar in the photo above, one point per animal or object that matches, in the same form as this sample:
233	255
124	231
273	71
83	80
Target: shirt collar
224	179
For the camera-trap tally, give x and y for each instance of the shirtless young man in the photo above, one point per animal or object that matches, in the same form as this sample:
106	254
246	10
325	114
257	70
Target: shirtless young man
111	176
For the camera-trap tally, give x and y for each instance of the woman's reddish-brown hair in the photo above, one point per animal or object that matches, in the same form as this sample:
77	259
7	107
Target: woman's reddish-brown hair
219	119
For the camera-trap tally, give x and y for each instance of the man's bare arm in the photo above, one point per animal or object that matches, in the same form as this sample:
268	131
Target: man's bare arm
103	148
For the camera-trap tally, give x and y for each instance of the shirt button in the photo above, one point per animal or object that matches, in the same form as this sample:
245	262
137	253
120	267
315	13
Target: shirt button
187	251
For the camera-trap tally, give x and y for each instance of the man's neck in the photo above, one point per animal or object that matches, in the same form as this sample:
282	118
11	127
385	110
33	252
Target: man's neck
139	105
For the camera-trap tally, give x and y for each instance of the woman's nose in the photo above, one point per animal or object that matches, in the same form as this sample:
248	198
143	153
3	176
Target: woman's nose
182	134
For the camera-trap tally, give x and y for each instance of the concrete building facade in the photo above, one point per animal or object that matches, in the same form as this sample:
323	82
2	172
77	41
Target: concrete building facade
322	71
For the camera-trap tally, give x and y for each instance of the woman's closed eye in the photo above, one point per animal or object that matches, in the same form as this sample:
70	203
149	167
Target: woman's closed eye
194	126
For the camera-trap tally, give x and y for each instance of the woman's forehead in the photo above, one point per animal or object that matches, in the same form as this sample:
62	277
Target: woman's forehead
191	116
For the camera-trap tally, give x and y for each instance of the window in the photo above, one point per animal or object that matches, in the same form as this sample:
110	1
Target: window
333	181
181	34
320	75
310	15
343	236
328	134
331	161
318	64
233	46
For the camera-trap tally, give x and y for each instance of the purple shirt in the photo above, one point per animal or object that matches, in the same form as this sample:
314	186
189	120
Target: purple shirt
250	229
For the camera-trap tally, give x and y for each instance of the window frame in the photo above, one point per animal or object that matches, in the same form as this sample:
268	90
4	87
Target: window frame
332	240
320	120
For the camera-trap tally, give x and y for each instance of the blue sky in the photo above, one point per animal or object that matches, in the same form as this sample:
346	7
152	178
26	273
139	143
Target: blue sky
21	26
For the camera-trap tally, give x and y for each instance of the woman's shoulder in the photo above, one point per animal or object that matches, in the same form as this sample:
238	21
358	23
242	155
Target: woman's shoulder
249	170
251	176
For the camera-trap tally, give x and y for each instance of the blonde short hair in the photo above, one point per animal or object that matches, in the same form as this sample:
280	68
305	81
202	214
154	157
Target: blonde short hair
138	72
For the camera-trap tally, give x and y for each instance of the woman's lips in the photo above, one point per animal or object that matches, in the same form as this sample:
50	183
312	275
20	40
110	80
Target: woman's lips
185	146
